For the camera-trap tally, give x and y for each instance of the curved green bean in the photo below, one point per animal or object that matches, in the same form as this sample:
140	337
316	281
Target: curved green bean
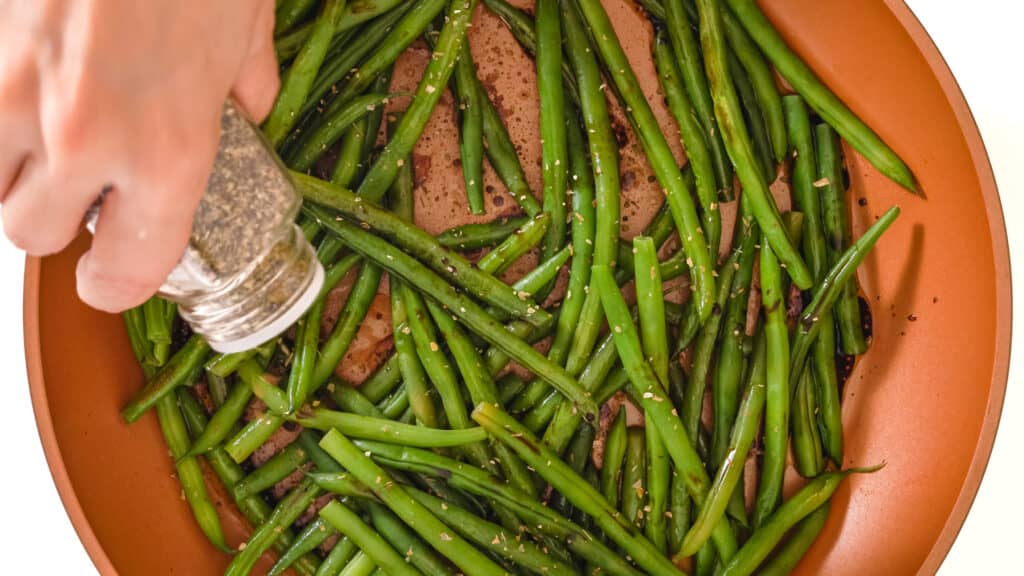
516	244
483	235
178	371
370	428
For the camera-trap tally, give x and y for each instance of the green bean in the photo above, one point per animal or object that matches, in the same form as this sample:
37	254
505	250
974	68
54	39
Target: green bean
433	531
544	273
506	430
651	304
691	66
730	469
762	80
342	484
516	244
693	403
287	510
509	387
677	193
428	93
435	361
180	369
290	12
332	128
322	461
396	405
158	330
812	496
370	428
307	339
352	315
803	175
468	311
470	119
350	164
483	235
737	142
829	290
706	561
369	541
755	117
543	411
820	98
614	452
224	365
837	232
379	55
553	118
313	535
829	414
188	471
658	410
252	436
288	45
491	537
405	540
806	437
536	517
786	557
581	184
657	490
223	420
218	388
725	387
535	391
372	37
777	409
692	136
502	155
300	76
422	245
272	471
634	490
679	508
253	508
337	558
577	457
413	375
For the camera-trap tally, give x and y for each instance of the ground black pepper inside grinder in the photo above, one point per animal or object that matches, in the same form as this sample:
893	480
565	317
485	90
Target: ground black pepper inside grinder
248	273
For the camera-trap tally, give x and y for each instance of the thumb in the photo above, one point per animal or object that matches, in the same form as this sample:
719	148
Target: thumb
256	85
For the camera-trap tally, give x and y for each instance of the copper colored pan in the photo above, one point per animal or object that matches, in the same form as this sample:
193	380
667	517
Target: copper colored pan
926	398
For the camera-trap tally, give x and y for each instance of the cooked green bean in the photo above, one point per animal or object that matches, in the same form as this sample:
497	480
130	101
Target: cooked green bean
341	483
823	100
651	305
692	135
290	12
536	517
422	245
507	430
313	535
337	558
634	476
657	490
307	339
483	235
699	258
737	142
830	288
800	505
730	469
502	155
755	117
286	511
370	428
516	244
614	453
829	413
428	93
471	135
277	468
223	420
468	311
402	538
786	557
679	507
180	369
347	325
762	81
433	531
658	411
777	409
837	233
725	388
315	143
371	543
806	436
300	75
413	375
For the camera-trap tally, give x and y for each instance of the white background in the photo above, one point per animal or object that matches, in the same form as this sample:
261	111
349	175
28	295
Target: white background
983	44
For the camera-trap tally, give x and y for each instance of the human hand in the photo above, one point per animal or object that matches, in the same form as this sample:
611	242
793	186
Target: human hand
125	96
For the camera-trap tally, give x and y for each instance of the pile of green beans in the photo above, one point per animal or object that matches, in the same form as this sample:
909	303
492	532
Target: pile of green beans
446	460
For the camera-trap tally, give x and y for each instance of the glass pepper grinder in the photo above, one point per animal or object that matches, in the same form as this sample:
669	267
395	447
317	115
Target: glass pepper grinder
248	273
